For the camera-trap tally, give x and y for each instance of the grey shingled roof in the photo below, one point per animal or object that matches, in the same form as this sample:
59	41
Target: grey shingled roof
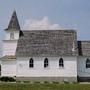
47	43
13	24
84	48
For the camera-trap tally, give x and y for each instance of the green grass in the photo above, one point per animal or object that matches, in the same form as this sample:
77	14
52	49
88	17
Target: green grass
38	86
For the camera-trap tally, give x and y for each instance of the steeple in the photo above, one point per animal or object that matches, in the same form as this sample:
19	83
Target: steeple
13	24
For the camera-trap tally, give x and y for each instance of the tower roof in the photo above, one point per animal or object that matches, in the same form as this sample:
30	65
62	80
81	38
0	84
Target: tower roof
14	24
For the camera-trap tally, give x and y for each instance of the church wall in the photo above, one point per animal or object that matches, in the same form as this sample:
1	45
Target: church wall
81	67
7	35
8	68
9	47
9	44
69	69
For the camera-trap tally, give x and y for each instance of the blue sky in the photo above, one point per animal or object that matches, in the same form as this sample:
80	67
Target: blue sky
70	14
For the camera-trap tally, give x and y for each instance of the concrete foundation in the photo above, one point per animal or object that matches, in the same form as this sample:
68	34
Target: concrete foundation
49	79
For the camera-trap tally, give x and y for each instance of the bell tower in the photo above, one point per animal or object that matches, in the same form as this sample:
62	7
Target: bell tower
13	28
11	36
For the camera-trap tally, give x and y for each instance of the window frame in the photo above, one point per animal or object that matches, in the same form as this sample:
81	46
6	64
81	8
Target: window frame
12	35
61	63
87	63
31	63
46	63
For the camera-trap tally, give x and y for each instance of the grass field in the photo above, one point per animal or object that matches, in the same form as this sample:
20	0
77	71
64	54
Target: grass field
26	86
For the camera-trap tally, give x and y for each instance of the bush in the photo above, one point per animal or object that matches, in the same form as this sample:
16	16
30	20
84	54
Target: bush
26	81
46	82
7	79
37	82
55	82
66	82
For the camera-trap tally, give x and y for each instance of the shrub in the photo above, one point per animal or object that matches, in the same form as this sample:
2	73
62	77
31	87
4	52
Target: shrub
66	82
46	82
55	82
26	81
7	79
37	82
75	82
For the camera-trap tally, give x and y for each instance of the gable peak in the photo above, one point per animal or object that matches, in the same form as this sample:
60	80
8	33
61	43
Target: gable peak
13	24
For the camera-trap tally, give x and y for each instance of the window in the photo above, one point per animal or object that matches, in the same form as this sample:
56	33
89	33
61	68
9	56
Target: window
0	69
31	63
11	35
87	63
46	62
61	62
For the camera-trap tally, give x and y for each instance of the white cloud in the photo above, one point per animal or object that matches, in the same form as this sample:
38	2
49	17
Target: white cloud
43	24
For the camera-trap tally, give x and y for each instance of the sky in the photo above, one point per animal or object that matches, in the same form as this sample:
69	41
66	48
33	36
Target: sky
48	14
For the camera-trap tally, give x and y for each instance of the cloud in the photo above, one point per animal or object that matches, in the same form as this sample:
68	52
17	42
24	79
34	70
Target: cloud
43	24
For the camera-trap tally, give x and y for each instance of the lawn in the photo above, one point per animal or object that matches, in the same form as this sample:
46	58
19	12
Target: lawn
26	86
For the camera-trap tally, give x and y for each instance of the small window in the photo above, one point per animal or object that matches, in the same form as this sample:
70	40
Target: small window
11	35
0	69
87	63
46	62
61	64
31	63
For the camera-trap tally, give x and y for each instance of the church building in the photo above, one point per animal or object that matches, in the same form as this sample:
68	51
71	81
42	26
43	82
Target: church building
44	55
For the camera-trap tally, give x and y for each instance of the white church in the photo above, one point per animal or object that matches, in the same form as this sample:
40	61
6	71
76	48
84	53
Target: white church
44	55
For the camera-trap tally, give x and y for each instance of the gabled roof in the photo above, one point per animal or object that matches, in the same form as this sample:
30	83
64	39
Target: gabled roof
84	48
47	43
13	24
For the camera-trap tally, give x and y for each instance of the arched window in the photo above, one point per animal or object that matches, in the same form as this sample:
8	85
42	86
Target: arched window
87	63
46	62
31	63
11	35
0	69
61	64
